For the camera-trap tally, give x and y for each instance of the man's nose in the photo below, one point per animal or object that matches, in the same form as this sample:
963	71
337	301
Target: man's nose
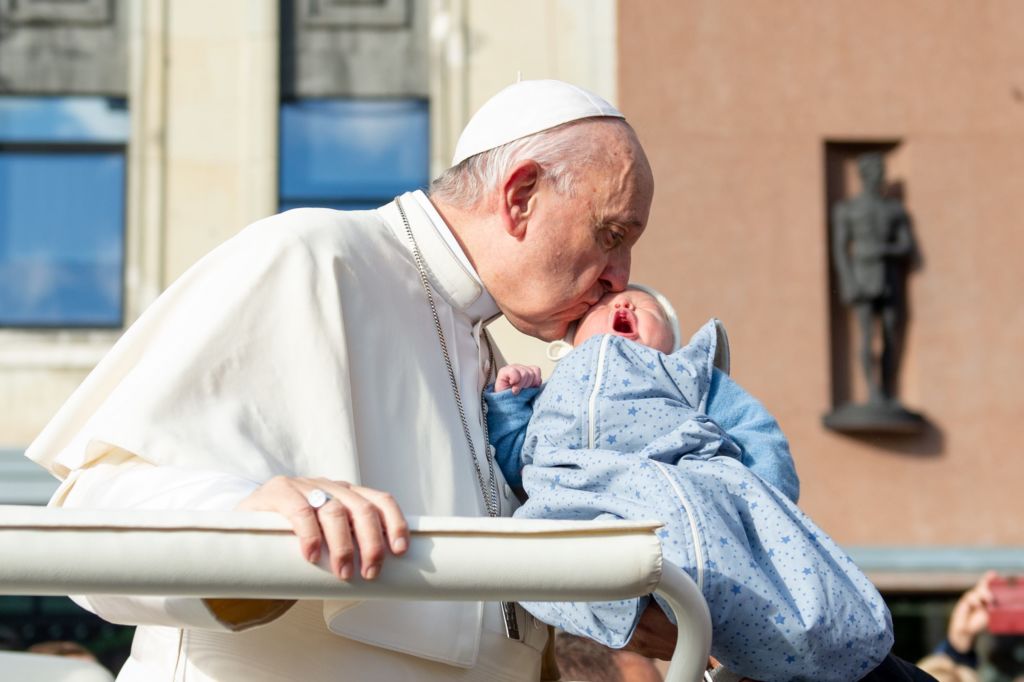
616	274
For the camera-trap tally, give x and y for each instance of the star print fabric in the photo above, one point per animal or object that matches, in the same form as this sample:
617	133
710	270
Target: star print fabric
619	433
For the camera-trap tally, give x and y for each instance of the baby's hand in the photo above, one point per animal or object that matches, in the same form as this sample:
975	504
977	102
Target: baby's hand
517	377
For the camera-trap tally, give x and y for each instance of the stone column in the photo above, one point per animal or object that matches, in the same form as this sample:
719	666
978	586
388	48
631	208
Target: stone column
221	109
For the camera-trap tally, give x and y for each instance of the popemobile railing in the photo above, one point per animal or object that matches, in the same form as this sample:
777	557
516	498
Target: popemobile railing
47	551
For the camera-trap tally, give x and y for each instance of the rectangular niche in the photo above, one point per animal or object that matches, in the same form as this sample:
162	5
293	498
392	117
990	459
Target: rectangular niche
842	182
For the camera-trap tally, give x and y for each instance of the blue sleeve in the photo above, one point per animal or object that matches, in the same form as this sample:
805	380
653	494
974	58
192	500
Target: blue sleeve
765	448
507	418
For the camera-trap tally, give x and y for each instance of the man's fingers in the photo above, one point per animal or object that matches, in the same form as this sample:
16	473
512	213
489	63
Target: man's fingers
286	497
355	519
307	528
368	532
396	528
333	519
654	636
377	525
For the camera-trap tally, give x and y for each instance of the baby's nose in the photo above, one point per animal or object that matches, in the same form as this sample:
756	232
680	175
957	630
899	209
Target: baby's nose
628	305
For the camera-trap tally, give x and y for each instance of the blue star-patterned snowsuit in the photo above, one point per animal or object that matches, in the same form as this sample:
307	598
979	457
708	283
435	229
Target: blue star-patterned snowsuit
620	432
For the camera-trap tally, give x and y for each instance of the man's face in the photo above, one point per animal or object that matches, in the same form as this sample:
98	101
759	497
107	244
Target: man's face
578	247
632	314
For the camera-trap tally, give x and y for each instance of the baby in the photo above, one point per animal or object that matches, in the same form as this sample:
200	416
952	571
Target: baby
642	315
626	428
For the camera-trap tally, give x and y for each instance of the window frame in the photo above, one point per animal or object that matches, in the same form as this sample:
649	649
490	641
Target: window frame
79	348
44	148
288	202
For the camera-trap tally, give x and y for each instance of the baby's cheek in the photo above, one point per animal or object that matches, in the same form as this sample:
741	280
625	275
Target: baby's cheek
590	325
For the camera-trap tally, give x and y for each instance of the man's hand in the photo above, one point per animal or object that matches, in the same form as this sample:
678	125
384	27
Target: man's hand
517	377
354	518
655	635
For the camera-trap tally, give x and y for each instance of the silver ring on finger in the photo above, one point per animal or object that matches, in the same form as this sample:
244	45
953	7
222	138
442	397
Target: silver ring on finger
318	498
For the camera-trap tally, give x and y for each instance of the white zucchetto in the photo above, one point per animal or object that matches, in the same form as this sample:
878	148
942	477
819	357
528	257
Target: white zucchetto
525	108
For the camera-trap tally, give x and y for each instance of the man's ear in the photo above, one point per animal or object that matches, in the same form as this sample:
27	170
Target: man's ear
519	197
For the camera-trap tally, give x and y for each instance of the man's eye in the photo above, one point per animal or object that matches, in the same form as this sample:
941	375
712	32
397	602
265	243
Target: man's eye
611	237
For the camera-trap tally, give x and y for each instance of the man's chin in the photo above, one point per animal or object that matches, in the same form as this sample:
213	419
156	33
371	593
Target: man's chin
549	330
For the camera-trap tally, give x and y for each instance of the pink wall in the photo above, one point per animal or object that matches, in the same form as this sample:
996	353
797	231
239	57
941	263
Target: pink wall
735	100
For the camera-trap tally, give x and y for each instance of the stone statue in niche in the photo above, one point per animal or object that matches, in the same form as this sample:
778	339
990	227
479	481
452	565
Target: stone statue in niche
872	250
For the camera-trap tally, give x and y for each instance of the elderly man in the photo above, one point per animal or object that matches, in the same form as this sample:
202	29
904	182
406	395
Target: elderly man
321	357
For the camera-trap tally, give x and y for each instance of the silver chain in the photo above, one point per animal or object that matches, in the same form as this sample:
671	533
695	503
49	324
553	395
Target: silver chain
488	491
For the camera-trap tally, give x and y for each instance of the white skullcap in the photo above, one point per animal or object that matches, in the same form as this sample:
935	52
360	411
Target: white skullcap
525	108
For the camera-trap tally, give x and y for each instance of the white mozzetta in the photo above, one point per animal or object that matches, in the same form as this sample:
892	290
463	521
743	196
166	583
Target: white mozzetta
302	346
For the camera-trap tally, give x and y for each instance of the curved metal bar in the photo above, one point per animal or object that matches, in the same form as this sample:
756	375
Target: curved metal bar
256	555
693	643
233	554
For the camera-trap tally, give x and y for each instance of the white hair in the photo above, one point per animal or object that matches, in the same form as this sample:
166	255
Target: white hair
561	152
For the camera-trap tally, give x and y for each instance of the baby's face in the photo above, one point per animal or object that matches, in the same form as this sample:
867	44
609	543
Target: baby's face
632	314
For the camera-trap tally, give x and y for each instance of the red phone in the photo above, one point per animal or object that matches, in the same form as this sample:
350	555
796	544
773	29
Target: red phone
1006	614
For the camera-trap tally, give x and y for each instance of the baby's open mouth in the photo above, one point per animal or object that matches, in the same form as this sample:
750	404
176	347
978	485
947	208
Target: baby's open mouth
624	323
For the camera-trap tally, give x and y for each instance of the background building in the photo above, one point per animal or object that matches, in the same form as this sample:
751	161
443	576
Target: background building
136	135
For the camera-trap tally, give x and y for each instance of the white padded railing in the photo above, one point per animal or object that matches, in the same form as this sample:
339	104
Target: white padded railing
234	554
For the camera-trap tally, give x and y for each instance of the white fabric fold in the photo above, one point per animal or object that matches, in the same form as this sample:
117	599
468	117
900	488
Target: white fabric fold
303	346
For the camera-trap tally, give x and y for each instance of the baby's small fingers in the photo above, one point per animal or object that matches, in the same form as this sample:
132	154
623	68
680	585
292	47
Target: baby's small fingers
515	379
507	378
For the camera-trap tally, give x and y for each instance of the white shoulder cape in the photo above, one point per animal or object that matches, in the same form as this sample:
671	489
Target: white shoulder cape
304	347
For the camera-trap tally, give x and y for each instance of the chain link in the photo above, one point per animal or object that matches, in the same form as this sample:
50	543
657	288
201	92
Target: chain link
489	491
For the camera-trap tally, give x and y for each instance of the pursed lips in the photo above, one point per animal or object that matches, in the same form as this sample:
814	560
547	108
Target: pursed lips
587	303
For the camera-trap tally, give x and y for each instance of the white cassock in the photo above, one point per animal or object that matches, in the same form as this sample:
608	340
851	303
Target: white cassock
304	346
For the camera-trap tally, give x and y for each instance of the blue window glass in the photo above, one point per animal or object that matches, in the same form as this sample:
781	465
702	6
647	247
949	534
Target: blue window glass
62	179
351	153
